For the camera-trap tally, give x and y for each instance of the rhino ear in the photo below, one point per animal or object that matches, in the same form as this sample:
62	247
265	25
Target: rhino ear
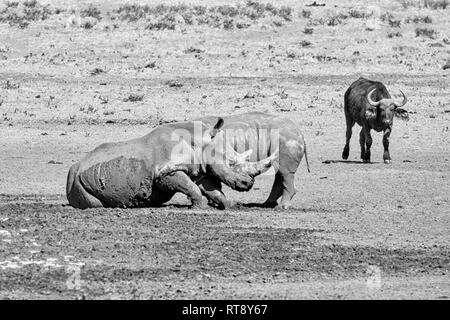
219	124
214	130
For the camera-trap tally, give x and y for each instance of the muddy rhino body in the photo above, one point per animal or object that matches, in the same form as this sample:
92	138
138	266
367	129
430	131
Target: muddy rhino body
128	174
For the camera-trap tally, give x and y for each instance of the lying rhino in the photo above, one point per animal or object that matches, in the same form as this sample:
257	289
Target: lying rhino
148	171
265	135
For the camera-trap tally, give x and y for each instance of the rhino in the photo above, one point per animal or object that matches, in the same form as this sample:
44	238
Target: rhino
148	171
258	136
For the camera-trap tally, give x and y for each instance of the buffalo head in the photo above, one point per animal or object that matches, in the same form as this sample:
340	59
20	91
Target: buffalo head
385	109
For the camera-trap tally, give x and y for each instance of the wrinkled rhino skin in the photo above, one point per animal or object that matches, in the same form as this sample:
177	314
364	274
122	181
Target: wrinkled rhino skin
291	143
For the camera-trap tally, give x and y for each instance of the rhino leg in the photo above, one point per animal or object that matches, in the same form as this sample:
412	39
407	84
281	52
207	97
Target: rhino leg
159	197
291	154
277	191
211	188
76	194
288	190
180	182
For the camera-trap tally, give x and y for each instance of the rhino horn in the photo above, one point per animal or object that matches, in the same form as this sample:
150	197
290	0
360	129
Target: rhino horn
256	168
235	157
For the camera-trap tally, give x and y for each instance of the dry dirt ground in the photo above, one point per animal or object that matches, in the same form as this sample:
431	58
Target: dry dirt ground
355	230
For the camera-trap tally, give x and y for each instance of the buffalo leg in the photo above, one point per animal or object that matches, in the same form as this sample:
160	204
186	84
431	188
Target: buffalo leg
368	137
362	143
348	136
211	188
180	182
386	155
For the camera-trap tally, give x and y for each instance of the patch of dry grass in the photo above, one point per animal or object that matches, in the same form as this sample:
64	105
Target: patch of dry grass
419	19
389	18
134	97
162	17
91	11
21	14
426	32
158	17
430	4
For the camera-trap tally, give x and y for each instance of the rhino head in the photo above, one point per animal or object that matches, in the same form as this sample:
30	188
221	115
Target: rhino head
236	171
215	158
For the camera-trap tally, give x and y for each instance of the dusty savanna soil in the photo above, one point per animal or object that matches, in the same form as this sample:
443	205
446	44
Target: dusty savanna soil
355	230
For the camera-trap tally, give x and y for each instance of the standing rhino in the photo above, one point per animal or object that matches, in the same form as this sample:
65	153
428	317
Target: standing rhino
266	134
148	171
369	114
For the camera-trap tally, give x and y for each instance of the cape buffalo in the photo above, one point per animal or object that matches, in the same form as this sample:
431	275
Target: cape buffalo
265	134
369	104
148	171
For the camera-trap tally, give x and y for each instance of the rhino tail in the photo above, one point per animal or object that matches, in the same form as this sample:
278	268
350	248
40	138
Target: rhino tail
306	157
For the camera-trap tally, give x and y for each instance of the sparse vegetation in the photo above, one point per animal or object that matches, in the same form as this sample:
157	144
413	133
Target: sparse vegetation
291	54
419	19
308	31
436	4
357	14
431	4
96	71
30	3
87	24
167	22
389	18
104	100
8	85
426	32
305	14
285	13
305	43
336	19
278	23
11	4
324	58
339	18
91	11
394	34
21	15
394	23
159	17
228	24
134	97
174	84
193	50
164	17
88	109
150	64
